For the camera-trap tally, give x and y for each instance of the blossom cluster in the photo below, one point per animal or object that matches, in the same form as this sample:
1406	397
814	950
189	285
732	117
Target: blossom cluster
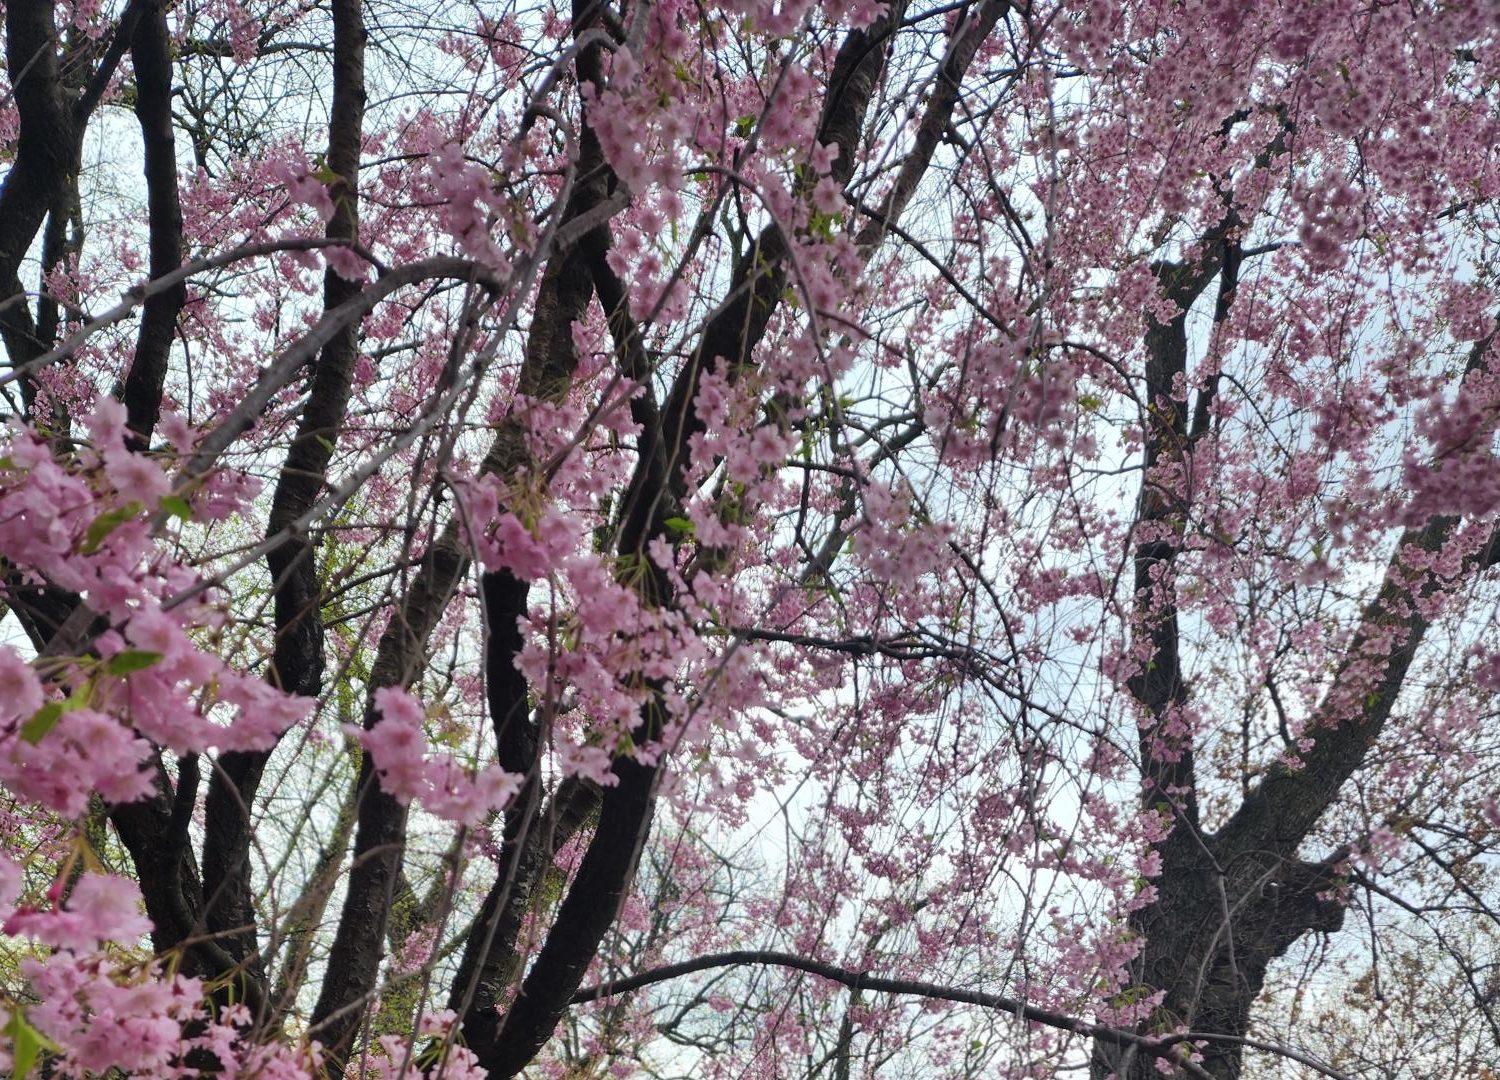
72	725
98	1011
397	744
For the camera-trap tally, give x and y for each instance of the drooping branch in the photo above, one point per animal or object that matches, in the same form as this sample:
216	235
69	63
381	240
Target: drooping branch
530	837
82	623
150	830
1168	1049
380	829
972	30
546	374
297	656
138	296
41	180
1207	937
655	490
760	276
1231	902
1280	813
299	928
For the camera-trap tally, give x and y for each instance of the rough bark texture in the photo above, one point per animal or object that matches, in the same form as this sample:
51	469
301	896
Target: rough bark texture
1228	902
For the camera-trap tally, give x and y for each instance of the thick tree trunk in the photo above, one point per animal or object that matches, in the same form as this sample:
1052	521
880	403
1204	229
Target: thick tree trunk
1230	902
1209	939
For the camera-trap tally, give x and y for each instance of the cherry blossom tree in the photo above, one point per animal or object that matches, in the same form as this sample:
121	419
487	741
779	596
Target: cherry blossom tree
646	538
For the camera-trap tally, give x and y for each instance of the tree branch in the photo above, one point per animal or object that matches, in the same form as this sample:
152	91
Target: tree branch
151	57
1157	1047
47	156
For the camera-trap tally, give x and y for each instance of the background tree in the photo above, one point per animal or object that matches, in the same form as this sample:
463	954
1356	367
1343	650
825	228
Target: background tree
810	540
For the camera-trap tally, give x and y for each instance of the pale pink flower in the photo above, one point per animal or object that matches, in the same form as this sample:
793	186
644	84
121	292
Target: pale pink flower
20	689
136	478
106	423
11	882
828	197
102	908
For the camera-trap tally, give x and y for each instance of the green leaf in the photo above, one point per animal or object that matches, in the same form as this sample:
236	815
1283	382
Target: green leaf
177	506
43	721
821	225
679	525
26	1045
107	523
46	718
123	663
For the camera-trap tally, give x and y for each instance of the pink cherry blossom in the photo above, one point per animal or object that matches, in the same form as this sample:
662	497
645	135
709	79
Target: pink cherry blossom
101	908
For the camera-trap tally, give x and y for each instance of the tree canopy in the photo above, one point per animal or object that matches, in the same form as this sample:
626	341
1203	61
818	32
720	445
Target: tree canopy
641	538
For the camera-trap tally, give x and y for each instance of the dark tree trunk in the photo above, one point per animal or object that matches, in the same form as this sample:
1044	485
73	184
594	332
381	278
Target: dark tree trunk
1230	902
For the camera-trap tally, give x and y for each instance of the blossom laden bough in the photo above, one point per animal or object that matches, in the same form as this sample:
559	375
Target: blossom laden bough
785	538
